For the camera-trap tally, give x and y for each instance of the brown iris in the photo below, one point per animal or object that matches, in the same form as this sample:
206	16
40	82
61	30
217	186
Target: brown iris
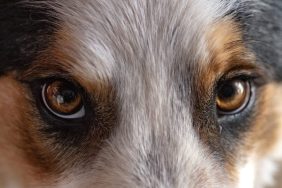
62	98
233	96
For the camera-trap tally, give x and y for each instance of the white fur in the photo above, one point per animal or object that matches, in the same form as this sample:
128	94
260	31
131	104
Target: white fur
155	144
135	45
247	174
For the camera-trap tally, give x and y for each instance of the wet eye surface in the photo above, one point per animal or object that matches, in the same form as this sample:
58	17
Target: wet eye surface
233	96
63	109
63	99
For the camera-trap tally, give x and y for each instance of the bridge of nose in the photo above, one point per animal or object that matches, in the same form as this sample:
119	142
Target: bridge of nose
157	136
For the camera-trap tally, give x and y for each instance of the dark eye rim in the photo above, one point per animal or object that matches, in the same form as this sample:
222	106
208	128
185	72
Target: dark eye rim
250	80
77	112
50	118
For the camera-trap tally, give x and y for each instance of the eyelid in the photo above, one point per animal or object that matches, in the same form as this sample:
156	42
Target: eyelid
253	72
240	74
256	75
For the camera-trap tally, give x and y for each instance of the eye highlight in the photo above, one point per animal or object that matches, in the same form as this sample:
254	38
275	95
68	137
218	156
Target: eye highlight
233	96
63	99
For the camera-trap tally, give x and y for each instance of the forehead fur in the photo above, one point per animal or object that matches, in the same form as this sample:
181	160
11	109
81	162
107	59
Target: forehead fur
148	52
141	48
108	35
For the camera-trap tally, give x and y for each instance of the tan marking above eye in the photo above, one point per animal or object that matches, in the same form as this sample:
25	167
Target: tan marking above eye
233	96
63	99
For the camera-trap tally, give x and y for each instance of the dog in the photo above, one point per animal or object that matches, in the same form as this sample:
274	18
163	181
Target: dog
140	93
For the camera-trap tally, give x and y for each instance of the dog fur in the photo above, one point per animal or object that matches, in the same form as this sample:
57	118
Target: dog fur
150	69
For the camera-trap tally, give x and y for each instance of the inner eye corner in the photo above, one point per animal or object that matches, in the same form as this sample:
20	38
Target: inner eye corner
63	99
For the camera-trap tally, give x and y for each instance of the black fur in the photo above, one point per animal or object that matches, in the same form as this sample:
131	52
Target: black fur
262	24
24	32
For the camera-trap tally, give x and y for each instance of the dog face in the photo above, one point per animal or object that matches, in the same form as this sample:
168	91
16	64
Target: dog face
139	93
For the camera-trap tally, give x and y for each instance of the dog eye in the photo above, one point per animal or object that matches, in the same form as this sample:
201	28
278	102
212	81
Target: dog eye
233	96
63	99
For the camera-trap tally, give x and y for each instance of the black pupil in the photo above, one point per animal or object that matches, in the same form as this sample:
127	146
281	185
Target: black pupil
227	91
66	95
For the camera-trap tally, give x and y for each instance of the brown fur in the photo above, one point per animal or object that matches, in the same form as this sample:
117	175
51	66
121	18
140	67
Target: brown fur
19	141
228	55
